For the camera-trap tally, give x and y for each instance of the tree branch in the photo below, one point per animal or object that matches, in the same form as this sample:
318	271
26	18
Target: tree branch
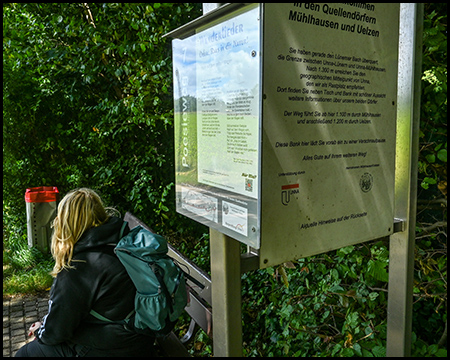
89	17
428	229
443	339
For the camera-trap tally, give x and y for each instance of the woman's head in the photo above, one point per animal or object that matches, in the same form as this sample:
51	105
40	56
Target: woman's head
78	211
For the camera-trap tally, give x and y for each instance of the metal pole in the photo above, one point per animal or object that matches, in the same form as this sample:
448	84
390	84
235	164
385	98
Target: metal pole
225	284
401	248
226	295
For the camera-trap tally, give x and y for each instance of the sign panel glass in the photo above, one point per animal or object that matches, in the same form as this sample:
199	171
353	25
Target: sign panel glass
217	124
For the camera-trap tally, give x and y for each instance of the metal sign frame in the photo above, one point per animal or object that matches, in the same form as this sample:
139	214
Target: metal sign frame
315	186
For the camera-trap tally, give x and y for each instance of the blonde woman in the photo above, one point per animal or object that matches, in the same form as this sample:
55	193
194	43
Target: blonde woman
88	275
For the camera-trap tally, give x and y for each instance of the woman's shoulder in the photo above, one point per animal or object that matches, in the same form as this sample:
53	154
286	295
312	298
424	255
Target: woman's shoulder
100	236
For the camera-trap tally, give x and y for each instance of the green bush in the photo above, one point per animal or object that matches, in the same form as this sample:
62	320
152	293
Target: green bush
332	304
87	102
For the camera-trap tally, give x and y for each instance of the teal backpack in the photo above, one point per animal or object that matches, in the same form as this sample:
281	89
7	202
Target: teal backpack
161	294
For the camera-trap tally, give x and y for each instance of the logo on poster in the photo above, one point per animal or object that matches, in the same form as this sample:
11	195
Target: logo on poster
287	191
366	182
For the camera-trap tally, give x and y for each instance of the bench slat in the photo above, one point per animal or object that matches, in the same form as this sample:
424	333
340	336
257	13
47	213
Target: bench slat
201	313
193	270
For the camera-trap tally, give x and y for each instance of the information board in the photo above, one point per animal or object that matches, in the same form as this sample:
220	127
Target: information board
329	124
217	75
285	125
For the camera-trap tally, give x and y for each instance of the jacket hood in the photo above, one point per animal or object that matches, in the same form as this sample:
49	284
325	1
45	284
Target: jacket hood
107	233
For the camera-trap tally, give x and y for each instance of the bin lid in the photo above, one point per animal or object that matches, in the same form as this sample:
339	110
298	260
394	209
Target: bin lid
41	194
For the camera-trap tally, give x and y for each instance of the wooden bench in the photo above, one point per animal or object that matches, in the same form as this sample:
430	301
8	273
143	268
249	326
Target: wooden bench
199	308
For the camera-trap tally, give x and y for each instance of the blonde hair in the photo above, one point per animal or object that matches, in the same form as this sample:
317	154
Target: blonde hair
80	210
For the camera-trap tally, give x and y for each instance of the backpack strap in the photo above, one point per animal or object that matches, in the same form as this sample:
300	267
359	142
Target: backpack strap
100	317
122	230
105	319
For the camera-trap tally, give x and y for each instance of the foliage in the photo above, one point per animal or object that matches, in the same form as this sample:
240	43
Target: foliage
430	282
335	305
433	146
87	102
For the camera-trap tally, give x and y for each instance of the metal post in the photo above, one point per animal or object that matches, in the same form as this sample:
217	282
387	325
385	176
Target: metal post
401	249
225	284
226	295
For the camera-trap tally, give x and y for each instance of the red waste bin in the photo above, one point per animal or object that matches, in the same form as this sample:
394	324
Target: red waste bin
41	205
